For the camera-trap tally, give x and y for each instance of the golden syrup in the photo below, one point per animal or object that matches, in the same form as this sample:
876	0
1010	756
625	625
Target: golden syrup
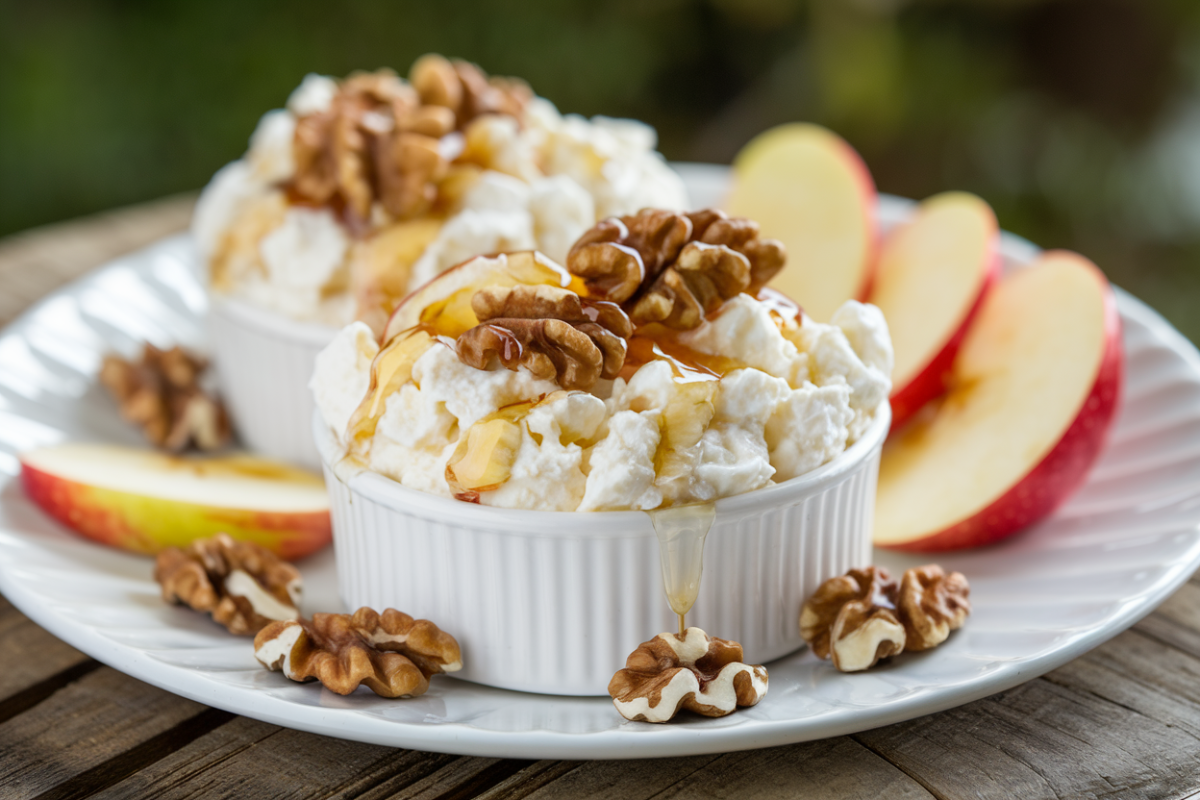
687	363
681	532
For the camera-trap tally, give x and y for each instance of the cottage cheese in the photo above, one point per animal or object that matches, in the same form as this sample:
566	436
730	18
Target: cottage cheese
545	181
800	395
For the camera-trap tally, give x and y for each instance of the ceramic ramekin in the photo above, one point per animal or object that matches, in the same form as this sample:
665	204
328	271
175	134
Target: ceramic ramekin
263	361
554	602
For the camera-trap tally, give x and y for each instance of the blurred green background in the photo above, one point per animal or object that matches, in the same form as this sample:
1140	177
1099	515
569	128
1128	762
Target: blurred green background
1079	120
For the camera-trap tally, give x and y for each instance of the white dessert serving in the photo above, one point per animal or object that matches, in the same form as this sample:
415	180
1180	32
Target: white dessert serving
553	602
281	272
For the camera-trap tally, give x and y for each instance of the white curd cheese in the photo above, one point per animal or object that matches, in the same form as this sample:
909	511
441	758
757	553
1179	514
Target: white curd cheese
580	452
343	375
548	178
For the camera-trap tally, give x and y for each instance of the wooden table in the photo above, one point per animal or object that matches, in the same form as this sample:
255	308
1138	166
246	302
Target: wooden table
1121	722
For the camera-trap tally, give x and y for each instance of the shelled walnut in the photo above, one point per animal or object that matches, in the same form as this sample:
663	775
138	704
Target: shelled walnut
853	619
550	331
243	586
161	393
391	653
466	90
931	604
376	141
674	268
693	671
864	616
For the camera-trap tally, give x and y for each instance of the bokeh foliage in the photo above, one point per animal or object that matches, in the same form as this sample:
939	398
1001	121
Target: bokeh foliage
1079	120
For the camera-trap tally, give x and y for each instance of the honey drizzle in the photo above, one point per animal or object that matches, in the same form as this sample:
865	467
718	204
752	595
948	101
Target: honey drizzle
687	363
681	532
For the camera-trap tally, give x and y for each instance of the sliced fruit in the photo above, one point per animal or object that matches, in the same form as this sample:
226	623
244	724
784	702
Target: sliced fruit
932	276
807	187
1032	395
380	266
444	303
146	501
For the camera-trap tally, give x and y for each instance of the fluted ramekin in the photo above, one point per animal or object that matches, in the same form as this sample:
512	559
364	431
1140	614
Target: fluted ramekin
553	602
263	361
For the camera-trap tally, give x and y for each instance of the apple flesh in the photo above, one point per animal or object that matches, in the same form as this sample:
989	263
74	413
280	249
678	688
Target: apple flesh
146	501
808	188
933	274
444	302
1031	397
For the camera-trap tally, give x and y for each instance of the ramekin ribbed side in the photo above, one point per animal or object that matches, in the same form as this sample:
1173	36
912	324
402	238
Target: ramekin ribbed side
553	602
262	363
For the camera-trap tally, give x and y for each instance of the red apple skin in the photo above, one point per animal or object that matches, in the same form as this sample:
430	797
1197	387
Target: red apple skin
1063	469
930	382
129	522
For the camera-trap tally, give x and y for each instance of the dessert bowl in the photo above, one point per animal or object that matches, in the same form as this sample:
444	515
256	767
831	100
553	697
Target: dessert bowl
553	602
312	229
263	361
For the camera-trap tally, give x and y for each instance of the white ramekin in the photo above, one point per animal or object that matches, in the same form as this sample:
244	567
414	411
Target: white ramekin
554	602
263	361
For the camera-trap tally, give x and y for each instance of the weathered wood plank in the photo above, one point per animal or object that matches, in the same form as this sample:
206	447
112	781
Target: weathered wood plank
1043	740
35	262
33	664
1140	673
1177	621
247	758
93	733
832	768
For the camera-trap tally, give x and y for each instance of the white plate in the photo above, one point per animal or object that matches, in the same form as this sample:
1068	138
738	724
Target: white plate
1119	547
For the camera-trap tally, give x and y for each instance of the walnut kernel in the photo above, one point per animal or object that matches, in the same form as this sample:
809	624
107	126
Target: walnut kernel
391	653
693	671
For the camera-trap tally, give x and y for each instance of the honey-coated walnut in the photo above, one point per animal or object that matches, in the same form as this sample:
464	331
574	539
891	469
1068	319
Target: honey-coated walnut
391	653
674	268
550	331
375	142
931	604
161	393
466	90
852	618
243	586
864	616
693	671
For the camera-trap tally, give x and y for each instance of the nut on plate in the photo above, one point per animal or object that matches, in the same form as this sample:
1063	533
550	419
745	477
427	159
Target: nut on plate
853	619
243	586
391	653
674	268
693	671
161	393
931	604
550	331
864	616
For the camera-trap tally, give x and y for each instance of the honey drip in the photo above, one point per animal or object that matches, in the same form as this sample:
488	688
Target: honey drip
681	533
688	364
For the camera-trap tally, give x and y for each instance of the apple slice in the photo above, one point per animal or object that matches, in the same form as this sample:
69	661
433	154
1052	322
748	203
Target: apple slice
932	276
807	187
444	303
145	501
1032	395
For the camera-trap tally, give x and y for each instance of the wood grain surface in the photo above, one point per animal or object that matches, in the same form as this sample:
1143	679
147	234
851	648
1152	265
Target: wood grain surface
1121	722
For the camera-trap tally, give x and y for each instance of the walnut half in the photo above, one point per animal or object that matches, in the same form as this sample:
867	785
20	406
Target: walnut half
161	393
693	671
550	331
674	268
853	619
931	604
243	586
863	616
391	653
